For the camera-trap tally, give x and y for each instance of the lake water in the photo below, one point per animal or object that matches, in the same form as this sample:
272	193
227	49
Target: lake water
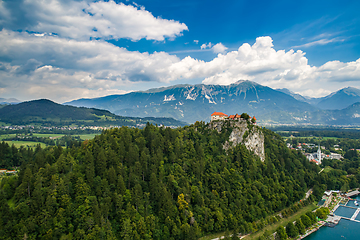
345	211
346	229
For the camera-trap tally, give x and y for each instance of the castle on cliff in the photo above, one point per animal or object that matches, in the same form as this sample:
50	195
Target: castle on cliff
222	116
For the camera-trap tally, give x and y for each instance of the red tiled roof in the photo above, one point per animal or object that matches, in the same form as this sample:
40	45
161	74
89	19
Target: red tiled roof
219	114
254	118
237	116
231	116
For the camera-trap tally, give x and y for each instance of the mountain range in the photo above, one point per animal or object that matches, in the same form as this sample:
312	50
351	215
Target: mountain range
47	112
9	101
192	103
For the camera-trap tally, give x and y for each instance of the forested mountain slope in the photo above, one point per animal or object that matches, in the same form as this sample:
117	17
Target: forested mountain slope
46	112
155	183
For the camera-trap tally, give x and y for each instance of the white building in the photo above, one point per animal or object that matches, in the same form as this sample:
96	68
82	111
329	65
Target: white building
218	116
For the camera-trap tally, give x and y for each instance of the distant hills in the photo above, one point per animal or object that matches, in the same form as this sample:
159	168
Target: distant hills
192	103
334	101
346	116
8	101
44	111
340	99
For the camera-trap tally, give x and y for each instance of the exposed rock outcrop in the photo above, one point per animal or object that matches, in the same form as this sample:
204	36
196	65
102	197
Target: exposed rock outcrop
242	133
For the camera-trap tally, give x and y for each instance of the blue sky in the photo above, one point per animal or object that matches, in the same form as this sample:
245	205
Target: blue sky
290	24
69	49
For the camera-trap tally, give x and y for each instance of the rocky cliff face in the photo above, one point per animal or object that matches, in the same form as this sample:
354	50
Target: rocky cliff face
243	133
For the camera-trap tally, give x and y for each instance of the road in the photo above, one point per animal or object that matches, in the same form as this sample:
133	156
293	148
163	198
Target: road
308	193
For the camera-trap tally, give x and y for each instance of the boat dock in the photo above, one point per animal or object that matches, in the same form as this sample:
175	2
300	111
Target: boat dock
332	221
353	193
355	215
334	218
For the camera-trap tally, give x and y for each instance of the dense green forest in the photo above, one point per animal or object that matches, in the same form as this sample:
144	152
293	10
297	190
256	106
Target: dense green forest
341	175
151	183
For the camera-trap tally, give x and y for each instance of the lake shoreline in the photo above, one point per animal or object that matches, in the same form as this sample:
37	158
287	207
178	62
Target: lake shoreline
311	231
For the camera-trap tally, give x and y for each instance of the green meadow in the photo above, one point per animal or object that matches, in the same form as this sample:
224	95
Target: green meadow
25	144
87	136
49	135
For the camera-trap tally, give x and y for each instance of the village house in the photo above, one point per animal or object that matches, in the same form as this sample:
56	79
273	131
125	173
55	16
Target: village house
334	156
5	171
232	117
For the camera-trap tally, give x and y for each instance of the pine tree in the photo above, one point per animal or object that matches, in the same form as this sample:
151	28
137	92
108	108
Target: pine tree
306	220
291	230
300	226
281	233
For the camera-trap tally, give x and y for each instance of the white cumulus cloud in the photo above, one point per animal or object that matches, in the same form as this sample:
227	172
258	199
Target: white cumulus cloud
219	48
87	19
261	63
35	62
34	66
205	46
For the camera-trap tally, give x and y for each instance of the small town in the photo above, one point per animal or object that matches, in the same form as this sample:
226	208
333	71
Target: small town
318	155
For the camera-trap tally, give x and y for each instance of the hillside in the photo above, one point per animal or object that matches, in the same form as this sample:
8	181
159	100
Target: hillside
192	103
340	99
155	183
44	111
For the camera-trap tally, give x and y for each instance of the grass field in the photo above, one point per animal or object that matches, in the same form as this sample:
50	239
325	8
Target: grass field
212	236
2	137
25	144
283	222
49	135
327	169
43	145
87	136
270	228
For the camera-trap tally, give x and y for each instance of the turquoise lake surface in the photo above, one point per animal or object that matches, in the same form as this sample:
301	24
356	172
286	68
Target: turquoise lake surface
346	229
345	211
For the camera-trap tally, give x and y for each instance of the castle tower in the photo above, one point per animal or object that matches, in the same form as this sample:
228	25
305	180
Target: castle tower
319	154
